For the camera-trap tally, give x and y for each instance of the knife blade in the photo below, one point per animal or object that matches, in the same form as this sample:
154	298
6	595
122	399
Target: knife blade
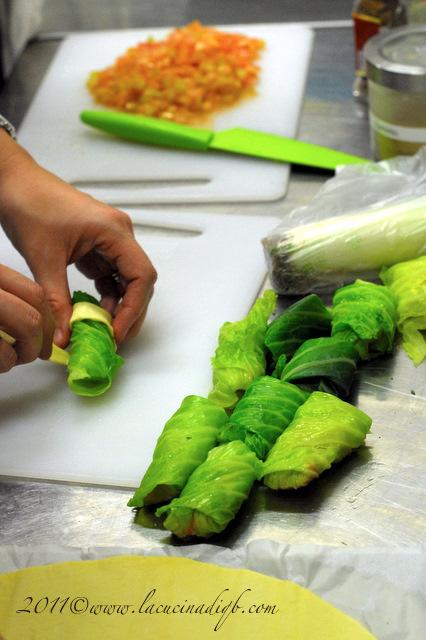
267	146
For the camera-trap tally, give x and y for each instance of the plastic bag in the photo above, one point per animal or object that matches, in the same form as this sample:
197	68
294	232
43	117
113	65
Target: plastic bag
366	217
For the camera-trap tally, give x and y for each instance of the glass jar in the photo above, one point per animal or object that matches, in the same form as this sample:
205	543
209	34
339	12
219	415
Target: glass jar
416	10
396	72
370	17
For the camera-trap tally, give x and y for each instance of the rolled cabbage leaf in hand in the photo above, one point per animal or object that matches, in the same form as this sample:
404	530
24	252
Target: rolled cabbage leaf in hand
93	360
367	310
325	364
306	318
325	429
183	445
265	410
240	355
214	492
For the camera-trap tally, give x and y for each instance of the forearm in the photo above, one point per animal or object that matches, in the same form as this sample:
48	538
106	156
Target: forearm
13	158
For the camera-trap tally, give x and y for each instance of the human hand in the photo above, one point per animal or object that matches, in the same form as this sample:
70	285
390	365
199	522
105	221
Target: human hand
26	316
53	225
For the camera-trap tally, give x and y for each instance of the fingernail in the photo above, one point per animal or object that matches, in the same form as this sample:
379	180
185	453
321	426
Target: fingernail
58	336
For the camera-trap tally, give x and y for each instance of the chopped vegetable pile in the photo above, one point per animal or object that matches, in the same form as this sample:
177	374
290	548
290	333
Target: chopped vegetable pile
194	71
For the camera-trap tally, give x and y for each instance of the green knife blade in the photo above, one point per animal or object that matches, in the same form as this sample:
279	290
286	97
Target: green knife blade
268	146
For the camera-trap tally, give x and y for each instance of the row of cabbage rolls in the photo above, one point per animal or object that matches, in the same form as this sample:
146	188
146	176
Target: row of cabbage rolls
276	411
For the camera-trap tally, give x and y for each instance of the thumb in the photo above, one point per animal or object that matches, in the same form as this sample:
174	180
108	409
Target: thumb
54	281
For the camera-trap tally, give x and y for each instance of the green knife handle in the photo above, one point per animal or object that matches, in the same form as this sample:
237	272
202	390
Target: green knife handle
149	130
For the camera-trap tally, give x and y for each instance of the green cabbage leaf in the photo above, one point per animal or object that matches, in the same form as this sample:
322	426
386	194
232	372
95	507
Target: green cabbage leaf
306	318
324	364
369	311
93	360
325	429
214	492
183	445
265	410
240	355
407	281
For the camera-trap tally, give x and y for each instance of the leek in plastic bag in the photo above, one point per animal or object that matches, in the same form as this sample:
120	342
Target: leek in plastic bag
93	360
369	311
183	445
407	281
214	492
306	318
325	364
262	414
324	430
240	355
322	255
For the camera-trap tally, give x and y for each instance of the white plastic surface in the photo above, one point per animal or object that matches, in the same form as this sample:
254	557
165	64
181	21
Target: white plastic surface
122	172
210	268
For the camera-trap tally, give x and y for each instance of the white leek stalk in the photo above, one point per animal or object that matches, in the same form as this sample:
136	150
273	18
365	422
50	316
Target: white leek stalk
323	255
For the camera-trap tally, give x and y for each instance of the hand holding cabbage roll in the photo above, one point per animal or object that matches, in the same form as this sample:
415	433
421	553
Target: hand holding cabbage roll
182	446
214	492
323	431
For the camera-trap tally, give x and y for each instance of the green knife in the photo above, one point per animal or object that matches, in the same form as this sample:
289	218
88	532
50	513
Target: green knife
268	146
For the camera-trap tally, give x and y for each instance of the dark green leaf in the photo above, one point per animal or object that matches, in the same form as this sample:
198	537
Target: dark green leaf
307	318
323	363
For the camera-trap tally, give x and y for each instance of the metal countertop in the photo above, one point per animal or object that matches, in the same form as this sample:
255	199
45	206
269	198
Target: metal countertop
372	498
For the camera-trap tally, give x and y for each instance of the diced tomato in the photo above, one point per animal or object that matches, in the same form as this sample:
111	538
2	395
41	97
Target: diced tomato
195	71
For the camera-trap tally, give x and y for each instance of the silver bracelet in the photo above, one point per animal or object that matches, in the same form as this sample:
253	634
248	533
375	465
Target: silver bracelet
5	124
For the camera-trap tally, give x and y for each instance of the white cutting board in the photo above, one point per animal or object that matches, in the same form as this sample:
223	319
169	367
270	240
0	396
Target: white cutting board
121	172
210	268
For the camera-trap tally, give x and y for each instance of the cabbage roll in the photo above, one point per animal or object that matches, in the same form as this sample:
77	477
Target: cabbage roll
324	364
214	492
93	360
262	414
407	281
240	355
324	430
183	445
306	318
367	310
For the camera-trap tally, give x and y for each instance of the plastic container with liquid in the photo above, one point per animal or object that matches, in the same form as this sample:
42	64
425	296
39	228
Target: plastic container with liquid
370	17
396	72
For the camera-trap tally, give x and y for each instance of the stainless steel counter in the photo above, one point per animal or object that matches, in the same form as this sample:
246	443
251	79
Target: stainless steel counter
372	498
